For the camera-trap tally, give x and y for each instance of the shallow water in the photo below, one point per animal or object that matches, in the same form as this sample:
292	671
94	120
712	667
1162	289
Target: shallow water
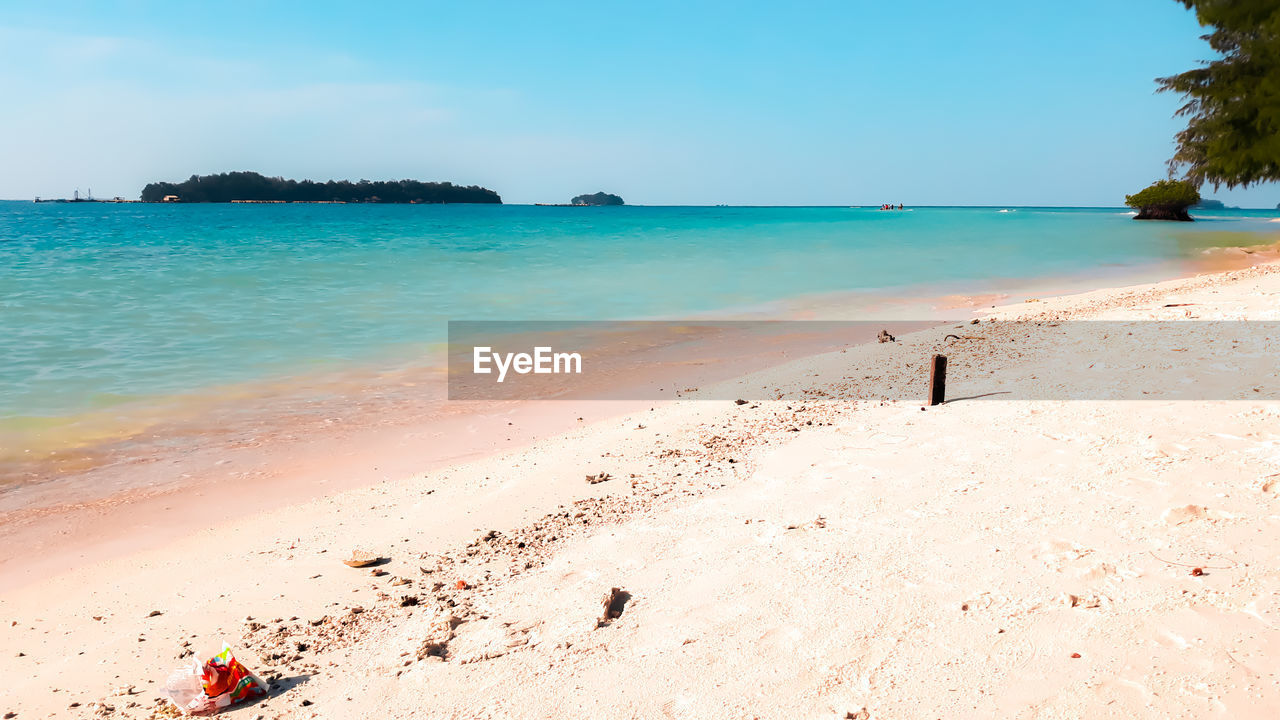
103	304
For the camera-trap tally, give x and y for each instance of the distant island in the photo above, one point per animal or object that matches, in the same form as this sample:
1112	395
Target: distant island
599	198
255	187
1207	204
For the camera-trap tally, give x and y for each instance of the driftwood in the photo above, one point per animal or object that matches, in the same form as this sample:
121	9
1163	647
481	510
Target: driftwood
937	380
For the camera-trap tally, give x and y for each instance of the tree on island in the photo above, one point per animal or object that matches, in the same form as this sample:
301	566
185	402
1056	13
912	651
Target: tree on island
599	198
1164	200
1233	132
252	186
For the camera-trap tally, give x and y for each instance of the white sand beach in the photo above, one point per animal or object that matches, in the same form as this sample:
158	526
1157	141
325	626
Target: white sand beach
813	556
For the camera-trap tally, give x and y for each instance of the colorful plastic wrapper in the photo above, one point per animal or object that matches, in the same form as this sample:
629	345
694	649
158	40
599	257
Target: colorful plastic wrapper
206	688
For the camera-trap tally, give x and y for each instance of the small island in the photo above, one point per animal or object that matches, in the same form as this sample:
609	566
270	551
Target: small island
252	187
1164	200
600	198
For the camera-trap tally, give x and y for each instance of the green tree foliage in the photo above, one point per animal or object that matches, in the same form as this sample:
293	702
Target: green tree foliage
599	198
253	186
1164	200
1233	103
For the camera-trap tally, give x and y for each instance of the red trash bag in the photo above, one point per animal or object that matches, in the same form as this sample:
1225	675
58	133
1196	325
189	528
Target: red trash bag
206	688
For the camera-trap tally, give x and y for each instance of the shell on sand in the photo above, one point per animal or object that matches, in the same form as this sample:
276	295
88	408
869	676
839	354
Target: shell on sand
361	558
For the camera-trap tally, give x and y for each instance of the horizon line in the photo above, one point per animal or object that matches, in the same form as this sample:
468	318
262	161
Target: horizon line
716	205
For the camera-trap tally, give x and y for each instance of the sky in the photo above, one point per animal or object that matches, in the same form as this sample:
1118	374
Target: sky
851	102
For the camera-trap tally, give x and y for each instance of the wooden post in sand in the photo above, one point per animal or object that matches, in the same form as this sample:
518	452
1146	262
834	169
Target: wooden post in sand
938	380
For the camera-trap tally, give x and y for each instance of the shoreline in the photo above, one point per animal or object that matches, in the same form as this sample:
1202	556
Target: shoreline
710	471
356	377
382	424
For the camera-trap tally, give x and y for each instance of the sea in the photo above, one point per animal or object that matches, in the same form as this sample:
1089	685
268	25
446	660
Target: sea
116	308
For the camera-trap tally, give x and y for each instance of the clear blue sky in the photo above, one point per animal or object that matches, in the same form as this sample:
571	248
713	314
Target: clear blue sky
919	101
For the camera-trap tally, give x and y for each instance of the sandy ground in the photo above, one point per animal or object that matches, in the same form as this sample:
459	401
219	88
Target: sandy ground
828	554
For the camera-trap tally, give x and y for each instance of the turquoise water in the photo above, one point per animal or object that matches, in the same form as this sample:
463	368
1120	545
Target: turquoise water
102	304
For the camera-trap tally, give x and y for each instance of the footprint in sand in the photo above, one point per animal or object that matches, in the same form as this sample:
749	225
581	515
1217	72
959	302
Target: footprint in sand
1185	514
887	439
780	639
677	707
1058	554
489	639
1096	571
1168	638
982	602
